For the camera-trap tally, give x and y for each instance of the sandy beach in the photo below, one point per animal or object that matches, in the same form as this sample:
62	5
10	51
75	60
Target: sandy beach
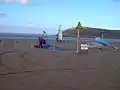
23	67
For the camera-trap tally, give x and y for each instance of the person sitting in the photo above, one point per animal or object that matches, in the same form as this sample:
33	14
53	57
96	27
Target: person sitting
41	41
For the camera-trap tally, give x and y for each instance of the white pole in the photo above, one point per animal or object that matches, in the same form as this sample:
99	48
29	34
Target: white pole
78	36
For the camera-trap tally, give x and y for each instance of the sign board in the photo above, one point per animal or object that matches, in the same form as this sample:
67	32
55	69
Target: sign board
84	47
79	26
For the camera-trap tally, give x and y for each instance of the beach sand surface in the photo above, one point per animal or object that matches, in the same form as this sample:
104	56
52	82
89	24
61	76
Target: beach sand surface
23	67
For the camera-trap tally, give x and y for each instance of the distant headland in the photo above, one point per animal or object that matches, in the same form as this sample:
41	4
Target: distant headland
92	32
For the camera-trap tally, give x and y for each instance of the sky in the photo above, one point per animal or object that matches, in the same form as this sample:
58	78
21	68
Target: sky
48	14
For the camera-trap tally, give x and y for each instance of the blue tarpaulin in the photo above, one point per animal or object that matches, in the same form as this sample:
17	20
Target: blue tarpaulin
52	47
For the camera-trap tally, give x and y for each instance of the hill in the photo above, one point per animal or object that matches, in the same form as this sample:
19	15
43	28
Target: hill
92	32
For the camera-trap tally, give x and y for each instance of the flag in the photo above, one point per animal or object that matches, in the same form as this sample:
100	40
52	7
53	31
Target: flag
44	32
77	38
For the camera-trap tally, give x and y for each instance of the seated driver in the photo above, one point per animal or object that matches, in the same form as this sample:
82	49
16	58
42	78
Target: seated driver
41	42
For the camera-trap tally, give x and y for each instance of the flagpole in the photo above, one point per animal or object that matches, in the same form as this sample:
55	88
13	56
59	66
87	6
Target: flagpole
78	36
79	27
102	35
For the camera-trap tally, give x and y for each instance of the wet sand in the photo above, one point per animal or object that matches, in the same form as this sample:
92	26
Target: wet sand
23	67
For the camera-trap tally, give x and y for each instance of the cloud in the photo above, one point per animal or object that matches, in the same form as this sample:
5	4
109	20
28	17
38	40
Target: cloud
15	1
24	2
2	15
30	25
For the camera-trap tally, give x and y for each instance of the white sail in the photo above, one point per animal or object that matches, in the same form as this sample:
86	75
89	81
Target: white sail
60	36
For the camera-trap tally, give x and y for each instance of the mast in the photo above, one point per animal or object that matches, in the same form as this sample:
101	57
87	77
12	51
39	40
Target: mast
102	35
